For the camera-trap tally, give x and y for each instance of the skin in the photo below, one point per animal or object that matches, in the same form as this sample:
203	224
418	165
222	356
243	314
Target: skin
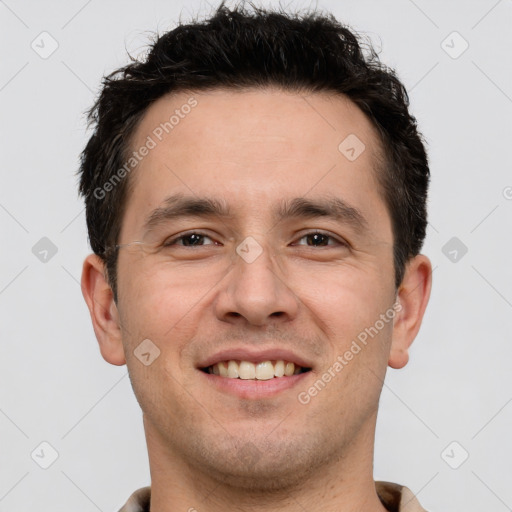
209	449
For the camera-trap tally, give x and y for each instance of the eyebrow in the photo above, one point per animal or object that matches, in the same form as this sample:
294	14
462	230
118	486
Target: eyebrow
179	206
330	207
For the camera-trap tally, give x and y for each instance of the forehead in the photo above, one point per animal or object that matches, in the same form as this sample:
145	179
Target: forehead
252	147
307	124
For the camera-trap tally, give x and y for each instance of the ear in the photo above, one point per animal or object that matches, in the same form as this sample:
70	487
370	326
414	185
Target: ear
412	299
103	309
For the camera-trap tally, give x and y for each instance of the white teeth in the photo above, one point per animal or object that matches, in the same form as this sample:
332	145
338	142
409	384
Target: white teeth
246	370
289	369
223	369
232	370
279	369
265	370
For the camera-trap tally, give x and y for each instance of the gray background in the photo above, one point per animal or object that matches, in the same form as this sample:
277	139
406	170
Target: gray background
56	388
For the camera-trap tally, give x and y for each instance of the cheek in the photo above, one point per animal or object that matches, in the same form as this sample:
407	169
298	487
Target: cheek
357	334
163	310
345	301
167	305
348	306
160	298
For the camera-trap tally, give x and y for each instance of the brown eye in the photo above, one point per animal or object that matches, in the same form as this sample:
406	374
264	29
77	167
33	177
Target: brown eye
319	239
193	239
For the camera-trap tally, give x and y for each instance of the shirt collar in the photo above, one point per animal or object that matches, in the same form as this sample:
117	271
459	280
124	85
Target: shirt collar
395	497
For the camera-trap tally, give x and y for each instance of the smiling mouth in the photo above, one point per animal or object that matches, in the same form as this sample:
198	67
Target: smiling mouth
246	370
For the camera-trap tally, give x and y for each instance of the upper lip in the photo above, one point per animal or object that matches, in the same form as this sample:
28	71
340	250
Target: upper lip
254	356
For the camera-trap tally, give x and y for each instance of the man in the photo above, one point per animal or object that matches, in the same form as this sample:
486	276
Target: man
255	193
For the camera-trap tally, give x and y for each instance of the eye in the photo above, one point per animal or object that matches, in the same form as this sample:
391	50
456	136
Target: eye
198	239
192	239
320	239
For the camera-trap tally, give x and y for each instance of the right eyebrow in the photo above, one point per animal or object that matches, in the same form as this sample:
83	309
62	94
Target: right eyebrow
178	205
330	207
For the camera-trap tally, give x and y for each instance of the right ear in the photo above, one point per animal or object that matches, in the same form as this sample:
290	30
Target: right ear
103	309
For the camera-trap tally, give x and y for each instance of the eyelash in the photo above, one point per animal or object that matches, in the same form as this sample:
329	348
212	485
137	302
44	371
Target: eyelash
171	242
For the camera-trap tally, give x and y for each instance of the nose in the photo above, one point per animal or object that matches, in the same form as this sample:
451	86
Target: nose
255	292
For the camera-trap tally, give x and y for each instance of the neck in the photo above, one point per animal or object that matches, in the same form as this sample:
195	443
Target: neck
344	484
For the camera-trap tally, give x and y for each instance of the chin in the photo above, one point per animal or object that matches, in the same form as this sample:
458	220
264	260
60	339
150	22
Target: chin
262	467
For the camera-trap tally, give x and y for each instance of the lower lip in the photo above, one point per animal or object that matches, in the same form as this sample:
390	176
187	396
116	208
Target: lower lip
254	389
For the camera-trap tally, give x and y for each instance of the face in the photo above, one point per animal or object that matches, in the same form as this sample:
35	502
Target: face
290	261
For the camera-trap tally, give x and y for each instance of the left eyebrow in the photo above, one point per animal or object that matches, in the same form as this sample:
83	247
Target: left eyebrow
331	207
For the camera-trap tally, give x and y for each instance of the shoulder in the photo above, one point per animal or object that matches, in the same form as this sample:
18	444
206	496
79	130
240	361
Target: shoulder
138	501
397	498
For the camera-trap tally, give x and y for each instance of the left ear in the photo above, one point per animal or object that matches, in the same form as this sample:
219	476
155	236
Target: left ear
412	300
